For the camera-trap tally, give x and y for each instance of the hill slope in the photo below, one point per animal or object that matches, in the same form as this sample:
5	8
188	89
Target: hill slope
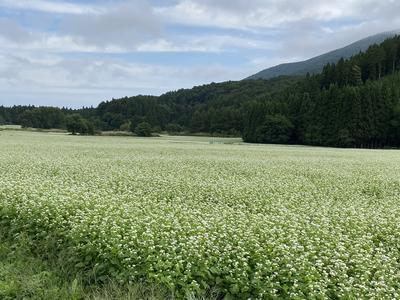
315	65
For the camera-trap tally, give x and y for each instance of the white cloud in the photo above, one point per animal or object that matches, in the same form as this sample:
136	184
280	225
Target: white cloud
25	76
119	28
14	32
121	25
49	6
247	15
206	43
14	36
36	47
243	14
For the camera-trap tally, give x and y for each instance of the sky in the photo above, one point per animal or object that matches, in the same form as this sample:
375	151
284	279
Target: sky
78	53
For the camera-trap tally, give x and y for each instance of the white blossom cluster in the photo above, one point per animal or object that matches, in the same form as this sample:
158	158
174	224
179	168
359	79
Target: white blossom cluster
256	222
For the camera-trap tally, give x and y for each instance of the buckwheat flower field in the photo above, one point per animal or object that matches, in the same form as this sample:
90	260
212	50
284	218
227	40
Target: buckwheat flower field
258	222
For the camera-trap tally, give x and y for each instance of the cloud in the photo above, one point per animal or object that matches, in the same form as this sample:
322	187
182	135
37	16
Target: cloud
49	6
39	78
121	25
12	31
93	50
243	14
205	43
274	14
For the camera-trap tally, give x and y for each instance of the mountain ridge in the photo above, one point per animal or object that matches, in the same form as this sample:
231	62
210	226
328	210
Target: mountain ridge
315	64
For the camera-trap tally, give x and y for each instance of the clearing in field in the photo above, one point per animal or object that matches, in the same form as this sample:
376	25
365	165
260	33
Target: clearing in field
247	221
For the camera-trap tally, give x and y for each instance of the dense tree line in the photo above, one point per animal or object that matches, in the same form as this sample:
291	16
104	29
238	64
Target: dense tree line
353	103
75	121
366	116
214	108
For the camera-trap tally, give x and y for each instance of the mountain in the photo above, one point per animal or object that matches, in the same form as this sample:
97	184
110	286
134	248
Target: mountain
315	65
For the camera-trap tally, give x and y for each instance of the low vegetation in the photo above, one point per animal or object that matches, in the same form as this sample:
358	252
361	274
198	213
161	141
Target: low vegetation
201	219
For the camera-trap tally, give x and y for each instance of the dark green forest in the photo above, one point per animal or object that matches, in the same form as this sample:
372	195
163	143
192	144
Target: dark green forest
353	103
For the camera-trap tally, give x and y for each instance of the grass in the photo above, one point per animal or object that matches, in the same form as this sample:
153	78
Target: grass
10	127
20	128
26	275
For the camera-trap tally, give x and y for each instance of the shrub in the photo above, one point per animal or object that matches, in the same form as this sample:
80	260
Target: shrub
77	124
143	129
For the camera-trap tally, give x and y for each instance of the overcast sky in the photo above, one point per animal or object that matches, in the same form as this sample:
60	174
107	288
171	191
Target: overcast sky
75	53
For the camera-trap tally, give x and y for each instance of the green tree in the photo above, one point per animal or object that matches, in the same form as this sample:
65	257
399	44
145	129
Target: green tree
76	124
355	76
173	128
143	129
394	127
276	129
125	127
254	116
344	138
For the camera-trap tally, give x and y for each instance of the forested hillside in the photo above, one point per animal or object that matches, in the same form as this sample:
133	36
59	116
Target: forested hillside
214	108
316	64
353	103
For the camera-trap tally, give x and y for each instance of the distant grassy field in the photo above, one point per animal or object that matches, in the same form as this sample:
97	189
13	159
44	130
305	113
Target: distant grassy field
19	128
197	215
10	127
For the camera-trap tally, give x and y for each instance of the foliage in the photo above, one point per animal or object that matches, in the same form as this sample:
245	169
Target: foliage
26	275
250	222
42	117
75	123
173	128
276	129
125	127
143	129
